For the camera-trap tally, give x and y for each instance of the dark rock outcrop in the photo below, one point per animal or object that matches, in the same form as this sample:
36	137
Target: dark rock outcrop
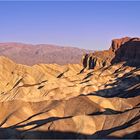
90	61
122	50
129	52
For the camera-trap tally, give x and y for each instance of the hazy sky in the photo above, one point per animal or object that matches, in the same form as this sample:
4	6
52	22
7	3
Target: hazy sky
83	24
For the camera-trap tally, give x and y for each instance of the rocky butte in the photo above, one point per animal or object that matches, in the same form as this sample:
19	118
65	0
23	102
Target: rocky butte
122	50
99	98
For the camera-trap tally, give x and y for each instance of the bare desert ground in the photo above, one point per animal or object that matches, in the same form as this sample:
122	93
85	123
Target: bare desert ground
98	98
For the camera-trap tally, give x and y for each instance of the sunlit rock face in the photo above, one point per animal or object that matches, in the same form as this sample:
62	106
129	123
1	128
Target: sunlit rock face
90	61
122	50
98	99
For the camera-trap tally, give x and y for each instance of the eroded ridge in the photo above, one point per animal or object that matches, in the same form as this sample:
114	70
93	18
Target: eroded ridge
69	101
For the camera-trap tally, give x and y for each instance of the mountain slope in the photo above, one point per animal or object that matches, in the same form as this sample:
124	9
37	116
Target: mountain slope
34	54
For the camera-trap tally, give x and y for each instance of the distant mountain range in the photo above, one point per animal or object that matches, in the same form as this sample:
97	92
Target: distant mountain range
43	53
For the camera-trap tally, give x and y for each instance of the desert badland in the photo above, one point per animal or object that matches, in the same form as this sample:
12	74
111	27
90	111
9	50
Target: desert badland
96	95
